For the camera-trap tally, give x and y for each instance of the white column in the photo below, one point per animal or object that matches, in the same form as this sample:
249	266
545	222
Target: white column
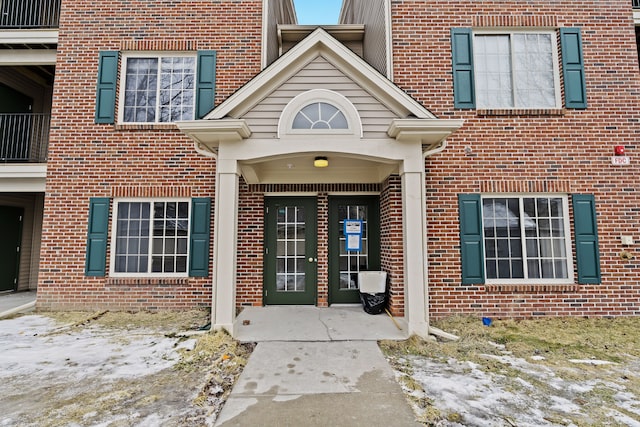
414	233
225	245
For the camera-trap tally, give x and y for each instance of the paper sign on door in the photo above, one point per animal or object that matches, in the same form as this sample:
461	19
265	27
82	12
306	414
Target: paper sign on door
353	234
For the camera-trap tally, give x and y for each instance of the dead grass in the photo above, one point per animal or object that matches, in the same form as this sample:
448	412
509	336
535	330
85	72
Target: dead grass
197	385
160	320
551	344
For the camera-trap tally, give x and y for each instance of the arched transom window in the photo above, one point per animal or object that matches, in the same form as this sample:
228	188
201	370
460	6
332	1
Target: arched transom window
319	111
320	115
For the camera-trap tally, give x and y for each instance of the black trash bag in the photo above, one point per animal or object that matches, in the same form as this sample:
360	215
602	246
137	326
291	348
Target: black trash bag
373	303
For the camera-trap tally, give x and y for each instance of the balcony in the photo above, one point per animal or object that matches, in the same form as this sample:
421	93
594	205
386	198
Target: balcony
29	14
24	137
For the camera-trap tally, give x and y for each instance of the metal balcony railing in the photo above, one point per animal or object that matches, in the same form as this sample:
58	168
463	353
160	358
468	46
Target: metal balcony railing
23	14
635	4
24	137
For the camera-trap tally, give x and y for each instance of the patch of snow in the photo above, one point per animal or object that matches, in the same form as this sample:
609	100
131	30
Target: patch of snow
188	345
496	345
582	387
591	362
624	419
477	396
36	350
628	401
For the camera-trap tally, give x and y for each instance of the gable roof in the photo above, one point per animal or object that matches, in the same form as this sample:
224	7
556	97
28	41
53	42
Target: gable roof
319	43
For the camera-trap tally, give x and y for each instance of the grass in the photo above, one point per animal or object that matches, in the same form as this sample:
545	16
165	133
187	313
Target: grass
550	345
201	379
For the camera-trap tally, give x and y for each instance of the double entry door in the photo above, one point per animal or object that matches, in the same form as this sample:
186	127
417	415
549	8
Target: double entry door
291	245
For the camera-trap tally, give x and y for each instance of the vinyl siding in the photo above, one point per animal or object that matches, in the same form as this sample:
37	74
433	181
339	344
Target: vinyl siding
319	74
371	13
278	12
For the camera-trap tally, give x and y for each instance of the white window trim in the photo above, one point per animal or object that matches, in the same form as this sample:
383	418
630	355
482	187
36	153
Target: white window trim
114	220
568	241
285	124
123	78
554	50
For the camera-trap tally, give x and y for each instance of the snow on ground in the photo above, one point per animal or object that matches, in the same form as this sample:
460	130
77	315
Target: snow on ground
522	394
478	397
90	375
30	346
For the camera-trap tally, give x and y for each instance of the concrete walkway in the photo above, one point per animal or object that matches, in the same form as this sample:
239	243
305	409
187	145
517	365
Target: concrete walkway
325	374
11	300
309	323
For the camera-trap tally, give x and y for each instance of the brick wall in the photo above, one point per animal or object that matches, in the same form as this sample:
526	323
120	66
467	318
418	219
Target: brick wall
391	242
565	151
88	160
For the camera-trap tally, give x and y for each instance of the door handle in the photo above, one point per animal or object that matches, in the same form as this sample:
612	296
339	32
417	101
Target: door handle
311	259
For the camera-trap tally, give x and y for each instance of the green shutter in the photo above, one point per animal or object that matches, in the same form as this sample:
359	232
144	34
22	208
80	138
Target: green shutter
586	235
106	88
96	258
462	61
206	82
470	210
200	231
575	92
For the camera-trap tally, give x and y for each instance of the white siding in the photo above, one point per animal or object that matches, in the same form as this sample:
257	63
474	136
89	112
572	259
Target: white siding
319	74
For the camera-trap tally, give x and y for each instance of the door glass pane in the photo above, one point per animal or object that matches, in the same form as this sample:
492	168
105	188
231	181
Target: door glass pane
352	262
290	249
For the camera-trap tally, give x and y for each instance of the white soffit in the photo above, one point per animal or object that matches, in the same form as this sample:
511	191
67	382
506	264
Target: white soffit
11	57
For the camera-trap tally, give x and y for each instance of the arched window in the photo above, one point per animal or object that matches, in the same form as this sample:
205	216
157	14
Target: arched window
320	115
319	111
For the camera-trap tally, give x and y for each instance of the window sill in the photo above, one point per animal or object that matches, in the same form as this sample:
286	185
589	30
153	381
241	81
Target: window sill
147	281
521	112
145	126
554	288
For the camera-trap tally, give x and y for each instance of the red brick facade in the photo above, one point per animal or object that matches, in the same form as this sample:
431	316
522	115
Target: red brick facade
561	151
97	160
565	151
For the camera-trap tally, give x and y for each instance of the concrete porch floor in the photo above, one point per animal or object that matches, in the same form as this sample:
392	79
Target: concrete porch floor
309	323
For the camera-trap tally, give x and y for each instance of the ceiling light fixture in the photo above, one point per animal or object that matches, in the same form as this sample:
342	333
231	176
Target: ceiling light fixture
321	162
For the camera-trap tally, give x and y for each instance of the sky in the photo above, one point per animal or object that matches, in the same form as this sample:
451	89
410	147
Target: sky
317	11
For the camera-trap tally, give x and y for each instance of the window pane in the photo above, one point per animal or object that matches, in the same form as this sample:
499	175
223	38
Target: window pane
492	62
514	71
181	264
302	122
134	242
544	249
533	71
140	88
159	89
320	115
501	227
131	242
492	269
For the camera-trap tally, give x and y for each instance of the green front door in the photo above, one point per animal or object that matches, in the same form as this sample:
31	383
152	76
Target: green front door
290	271
11	229
361	254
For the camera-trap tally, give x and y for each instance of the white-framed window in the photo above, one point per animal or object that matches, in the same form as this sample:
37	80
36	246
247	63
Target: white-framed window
150	237
516	69
526	237
158	87
320	115
319	111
